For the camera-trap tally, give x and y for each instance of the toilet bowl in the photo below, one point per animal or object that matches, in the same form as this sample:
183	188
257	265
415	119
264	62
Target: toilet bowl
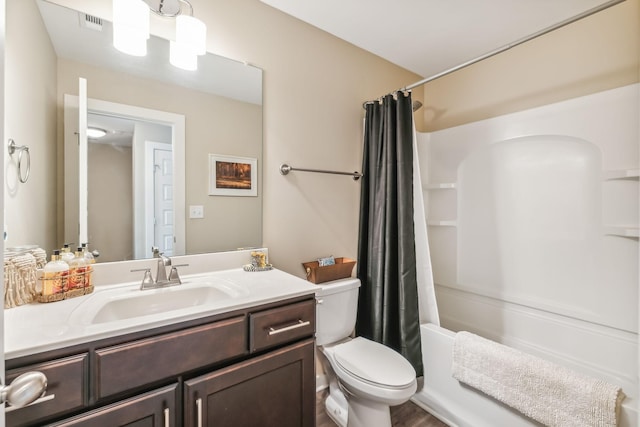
373	371
365	377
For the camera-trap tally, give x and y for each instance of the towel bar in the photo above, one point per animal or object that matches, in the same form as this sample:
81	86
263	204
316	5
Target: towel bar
285	169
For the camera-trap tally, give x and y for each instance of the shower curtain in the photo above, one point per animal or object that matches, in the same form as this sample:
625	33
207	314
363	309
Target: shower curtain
388	307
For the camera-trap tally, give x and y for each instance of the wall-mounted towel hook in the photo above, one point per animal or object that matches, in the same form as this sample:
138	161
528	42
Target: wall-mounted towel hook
21	149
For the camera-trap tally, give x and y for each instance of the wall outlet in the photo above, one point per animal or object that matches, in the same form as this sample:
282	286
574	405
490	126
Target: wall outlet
196	211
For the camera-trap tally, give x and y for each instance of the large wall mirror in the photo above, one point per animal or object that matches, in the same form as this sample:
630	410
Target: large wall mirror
162	124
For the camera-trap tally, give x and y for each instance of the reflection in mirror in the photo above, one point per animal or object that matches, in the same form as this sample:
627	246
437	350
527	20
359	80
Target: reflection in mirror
221	106
131	170
110	159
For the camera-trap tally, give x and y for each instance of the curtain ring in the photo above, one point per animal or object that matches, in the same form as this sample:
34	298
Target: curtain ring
22	149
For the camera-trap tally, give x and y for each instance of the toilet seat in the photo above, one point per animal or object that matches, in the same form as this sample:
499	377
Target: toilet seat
374	363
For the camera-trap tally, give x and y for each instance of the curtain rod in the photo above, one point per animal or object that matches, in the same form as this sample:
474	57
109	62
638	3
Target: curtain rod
511	45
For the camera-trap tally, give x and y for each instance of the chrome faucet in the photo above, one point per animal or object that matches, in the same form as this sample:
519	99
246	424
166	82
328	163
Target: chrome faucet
161	274
163	263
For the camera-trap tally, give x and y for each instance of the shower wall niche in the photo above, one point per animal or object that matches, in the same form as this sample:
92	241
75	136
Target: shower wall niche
533	230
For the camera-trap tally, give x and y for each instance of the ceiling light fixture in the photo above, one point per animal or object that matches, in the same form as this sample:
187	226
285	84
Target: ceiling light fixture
130	26
131	29
96	132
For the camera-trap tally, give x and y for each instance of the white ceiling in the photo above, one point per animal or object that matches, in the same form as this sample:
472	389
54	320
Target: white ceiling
431	36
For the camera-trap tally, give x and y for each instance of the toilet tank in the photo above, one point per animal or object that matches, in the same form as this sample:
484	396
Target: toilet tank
336	309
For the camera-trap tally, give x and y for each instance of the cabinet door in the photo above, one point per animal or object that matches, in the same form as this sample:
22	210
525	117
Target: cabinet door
153	409
276	389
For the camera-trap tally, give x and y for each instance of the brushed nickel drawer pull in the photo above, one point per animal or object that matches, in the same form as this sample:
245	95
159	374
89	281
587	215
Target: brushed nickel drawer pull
166	417
300	324
35	402
199	408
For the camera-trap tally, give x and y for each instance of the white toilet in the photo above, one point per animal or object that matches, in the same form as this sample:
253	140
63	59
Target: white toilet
365	377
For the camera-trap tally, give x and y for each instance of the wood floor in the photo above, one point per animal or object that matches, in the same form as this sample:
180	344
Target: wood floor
405	415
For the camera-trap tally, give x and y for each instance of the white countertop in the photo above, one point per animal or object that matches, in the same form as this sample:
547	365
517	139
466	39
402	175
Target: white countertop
36	328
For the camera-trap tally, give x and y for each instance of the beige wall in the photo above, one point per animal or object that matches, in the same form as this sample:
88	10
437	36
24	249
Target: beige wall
30	119
314	87
594	54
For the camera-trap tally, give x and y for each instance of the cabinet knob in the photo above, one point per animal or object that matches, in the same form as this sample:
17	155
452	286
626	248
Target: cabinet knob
24	390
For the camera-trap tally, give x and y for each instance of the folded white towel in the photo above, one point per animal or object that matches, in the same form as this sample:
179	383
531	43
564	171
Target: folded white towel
542	390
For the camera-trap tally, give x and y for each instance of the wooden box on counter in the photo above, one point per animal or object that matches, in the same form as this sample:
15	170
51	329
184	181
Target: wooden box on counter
340	270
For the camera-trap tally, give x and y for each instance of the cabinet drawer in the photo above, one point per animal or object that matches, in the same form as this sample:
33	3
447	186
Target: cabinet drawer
67	381
131	365
281	325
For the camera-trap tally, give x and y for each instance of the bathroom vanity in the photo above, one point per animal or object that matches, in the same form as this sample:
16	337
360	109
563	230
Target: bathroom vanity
246	361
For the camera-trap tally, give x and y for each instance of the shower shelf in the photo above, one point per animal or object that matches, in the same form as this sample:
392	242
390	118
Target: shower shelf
622	231
440	186
621	174
445	223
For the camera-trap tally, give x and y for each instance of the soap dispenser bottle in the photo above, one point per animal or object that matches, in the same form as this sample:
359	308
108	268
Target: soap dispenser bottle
77	268
55	275
88	255
89	260
66	255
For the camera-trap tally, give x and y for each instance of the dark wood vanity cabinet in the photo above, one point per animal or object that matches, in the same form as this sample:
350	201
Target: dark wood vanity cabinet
207	372
268	390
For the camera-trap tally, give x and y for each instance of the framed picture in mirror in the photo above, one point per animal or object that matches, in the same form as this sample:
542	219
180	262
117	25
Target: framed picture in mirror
232	175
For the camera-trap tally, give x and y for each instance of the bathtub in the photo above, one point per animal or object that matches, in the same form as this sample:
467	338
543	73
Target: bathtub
462	406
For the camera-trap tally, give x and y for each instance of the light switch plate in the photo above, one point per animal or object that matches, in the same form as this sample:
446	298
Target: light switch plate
196	211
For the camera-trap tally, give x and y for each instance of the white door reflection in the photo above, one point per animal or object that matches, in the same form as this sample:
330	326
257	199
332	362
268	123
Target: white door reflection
160	218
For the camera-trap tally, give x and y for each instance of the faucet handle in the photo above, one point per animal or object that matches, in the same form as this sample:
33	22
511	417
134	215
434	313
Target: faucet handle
173	275
147	280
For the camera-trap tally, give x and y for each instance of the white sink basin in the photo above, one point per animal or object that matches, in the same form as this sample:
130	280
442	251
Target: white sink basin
131	303
159	301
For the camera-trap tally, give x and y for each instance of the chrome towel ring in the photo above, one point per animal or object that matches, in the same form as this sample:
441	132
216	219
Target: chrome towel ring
21	149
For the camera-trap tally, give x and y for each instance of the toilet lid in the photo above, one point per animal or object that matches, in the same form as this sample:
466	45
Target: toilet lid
374	363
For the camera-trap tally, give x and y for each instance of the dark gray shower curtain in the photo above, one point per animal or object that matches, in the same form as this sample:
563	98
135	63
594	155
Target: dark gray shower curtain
388	299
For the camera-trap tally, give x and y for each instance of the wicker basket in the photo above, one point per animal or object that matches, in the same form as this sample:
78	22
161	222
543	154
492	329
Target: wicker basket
340	270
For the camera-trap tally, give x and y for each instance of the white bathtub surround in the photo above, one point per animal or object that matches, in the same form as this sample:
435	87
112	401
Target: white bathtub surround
534	243
552	394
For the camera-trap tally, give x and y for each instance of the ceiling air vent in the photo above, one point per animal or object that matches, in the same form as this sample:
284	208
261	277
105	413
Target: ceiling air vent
91	22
